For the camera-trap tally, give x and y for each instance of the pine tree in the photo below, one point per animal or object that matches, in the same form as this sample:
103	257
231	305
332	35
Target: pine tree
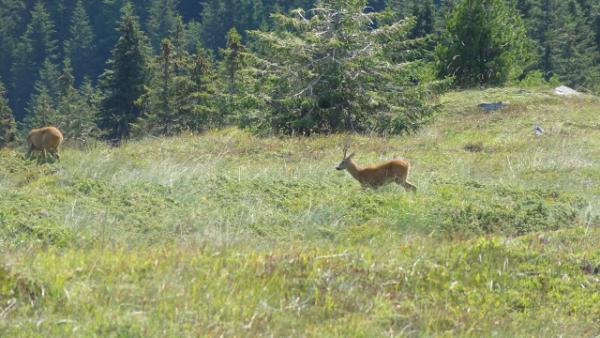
36	45
8	126
79	48
485	43
125	80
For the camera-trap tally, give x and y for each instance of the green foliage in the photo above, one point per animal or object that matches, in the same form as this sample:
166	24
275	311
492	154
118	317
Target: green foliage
11	20
80	46
36	46
8	127
484	44
536	79
124	82
162	20
77	109
42	111
330	70
575	59
182	94
238	101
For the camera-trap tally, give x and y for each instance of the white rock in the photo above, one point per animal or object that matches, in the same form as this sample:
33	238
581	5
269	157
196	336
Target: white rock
566	91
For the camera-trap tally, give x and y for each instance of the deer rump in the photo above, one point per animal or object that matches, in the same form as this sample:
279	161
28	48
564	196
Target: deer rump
46	139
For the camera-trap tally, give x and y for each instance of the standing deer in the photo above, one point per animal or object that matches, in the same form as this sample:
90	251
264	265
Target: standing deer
45	139
380	174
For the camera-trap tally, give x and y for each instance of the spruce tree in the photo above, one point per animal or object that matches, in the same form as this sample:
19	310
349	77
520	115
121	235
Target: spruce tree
80	48
8	126
42	112
233	60
75	114
124	82
235	86
162	18
11	20
575	57
41	107
35	46
213	22
329	70
485	43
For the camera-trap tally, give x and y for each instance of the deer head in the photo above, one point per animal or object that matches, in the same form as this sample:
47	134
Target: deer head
346	160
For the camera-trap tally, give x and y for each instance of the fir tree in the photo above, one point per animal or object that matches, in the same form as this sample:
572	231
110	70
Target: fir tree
75	113
36	45
124	82
328	70
79	48
485	44
41	107
233	60
575	57
42	112
11	18
162	18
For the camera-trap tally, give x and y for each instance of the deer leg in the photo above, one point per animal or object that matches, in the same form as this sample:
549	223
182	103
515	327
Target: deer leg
30	150
54	152
409	187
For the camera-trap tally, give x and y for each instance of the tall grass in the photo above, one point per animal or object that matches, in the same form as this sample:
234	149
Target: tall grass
230	234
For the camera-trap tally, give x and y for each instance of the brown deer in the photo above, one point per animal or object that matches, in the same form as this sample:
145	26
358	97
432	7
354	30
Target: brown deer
380	174
45	139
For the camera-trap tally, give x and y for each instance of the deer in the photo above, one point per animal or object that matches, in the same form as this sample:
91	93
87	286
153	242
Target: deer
45	139
375	176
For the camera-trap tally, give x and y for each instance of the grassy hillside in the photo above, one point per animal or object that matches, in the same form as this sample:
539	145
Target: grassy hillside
227	233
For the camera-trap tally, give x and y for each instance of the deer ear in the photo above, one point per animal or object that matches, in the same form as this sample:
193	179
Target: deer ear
350	156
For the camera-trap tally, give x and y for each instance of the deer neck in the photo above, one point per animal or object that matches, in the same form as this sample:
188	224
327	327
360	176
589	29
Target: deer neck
354	169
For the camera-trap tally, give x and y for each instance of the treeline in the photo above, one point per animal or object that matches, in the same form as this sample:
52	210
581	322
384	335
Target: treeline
116	68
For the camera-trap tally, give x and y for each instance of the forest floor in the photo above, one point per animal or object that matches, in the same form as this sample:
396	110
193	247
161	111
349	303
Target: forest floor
231	234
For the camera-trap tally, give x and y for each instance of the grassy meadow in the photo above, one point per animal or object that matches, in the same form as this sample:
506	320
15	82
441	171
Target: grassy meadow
230	234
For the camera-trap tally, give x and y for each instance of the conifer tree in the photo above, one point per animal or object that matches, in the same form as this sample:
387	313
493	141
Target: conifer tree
124	82
35	46
575	57
80	48
11	19
42	112
8	126
75	115
328	70
162	18
236	87
41	107
485	43
213	20
233	60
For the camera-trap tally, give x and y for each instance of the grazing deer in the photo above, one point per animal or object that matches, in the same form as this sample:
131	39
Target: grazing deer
45	139
377	175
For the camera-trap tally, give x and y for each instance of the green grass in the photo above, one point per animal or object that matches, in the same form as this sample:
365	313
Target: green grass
231	234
